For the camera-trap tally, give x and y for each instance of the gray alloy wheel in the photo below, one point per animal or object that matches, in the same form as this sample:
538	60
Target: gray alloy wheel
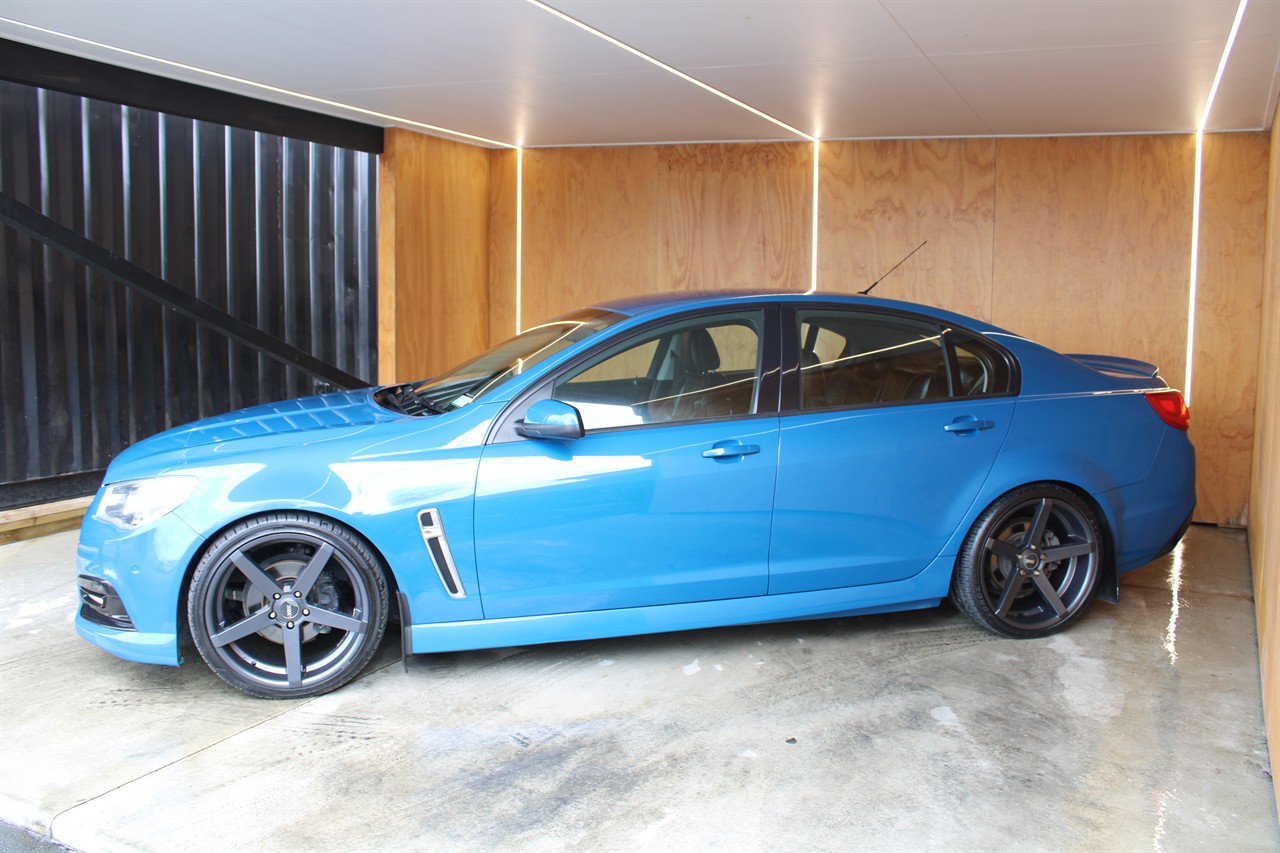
287	605
1030	563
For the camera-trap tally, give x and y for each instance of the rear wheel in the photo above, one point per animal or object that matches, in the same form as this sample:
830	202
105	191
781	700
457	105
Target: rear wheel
287	605
1031	562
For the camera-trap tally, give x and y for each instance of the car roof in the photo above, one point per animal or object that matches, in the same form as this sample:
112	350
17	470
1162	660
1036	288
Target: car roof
652	303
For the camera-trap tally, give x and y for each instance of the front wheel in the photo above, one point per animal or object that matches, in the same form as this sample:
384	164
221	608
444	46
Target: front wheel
287	605
1031	562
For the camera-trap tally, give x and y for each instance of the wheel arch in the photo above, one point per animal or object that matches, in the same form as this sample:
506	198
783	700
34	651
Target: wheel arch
184	590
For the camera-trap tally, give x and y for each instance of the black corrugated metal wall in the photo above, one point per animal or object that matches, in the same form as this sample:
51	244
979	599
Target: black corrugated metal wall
275	231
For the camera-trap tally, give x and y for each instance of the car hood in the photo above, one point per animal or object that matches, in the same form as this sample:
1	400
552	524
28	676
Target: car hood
340	411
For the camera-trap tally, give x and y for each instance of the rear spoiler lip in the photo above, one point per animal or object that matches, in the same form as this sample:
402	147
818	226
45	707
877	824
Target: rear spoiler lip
1116	366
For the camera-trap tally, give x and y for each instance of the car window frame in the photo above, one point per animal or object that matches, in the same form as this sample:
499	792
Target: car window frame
790	385
768	389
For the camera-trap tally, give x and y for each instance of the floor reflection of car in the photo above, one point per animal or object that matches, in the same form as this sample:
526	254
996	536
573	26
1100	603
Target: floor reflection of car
656	464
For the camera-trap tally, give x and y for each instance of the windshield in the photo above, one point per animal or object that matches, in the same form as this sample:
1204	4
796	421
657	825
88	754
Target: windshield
470	380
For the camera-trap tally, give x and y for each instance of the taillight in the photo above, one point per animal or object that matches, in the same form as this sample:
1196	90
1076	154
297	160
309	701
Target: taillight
1171	408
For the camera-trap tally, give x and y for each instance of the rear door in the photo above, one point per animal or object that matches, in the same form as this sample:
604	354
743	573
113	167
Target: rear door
890	425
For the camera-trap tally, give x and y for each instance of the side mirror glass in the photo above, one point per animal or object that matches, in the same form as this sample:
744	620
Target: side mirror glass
551	419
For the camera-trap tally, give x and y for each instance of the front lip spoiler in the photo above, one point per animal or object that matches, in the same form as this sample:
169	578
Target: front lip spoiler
136	646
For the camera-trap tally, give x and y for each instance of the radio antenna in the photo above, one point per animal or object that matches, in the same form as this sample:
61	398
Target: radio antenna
891	269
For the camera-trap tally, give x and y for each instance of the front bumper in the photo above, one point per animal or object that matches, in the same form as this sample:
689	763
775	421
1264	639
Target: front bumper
144	571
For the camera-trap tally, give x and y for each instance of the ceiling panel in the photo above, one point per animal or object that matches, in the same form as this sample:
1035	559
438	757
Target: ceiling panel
510	71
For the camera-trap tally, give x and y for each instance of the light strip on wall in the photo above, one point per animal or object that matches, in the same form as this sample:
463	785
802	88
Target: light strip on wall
671	70
813	245
1195	199
387	117
519	236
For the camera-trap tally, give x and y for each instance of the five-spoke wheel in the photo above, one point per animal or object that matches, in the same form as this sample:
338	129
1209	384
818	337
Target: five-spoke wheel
287	605
1031	562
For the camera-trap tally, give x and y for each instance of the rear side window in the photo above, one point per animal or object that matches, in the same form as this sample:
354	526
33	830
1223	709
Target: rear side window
852	358
981	369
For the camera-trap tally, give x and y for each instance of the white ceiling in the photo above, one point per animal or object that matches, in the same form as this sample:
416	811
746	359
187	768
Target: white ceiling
512	72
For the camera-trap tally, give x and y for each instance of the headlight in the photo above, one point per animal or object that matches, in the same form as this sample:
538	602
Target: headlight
133	503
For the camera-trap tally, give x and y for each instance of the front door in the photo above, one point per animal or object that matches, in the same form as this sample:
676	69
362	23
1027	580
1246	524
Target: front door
667	498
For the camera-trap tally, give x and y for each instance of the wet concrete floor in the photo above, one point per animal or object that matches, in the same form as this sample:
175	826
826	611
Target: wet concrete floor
1139	728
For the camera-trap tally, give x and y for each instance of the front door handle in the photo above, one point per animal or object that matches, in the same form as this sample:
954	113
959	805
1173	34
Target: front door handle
730	449
967	424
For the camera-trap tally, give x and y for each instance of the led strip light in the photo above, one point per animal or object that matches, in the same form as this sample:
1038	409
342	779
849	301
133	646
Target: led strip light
1195	201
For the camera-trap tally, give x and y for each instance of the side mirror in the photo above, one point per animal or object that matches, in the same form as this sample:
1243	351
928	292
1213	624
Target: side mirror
551	419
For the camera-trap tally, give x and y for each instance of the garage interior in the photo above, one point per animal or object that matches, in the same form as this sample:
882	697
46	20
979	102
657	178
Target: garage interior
1097	177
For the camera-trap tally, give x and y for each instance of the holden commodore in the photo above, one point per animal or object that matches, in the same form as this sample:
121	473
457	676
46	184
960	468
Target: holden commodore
655	464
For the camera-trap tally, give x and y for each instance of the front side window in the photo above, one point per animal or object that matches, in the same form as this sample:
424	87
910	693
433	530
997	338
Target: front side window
850	358
691	370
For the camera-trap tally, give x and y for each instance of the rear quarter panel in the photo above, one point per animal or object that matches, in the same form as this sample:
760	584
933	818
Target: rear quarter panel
1096	432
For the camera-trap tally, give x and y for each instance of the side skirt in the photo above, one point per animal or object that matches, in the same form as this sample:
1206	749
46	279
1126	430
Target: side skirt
926	589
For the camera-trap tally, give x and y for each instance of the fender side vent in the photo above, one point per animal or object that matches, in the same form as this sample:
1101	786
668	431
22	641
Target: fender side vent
441	556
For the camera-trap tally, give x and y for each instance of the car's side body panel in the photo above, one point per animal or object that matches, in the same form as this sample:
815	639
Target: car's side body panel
626	518
872	495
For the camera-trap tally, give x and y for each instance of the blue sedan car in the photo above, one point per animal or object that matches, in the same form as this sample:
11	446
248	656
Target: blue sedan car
656	464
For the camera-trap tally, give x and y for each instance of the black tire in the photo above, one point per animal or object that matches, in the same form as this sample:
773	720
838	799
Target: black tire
1031	562
287	605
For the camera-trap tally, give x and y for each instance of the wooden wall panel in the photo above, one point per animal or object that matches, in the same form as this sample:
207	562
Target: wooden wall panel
1233	215
882	199
604	223
1092	244
433	271
590	227
502	244
1264	515
734	216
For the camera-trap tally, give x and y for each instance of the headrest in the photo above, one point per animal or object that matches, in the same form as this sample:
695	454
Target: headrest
702	355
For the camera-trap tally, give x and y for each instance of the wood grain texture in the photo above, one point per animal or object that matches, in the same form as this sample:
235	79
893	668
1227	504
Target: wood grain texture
734	216
1233	215
439	273
1264	516
882	199
590	227
387	245
502	244
1092	244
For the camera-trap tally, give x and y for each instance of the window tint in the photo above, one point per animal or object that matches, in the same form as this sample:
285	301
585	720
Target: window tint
850	358
707	368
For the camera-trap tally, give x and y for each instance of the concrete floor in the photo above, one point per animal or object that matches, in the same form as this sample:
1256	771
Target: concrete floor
1138	729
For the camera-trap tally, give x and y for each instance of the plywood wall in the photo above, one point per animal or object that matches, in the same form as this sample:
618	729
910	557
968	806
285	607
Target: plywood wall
600	223
433	265
1233	217
1092	244
1264	518
882	199
1080	243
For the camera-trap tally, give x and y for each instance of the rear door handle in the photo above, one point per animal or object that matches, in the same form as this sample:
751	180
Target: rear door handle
730	449
968	424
